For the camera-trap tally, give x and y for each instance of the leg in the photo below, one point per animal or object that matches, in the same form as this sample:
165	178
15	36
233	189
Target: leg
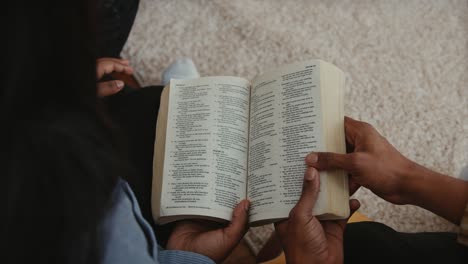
371	242
135	115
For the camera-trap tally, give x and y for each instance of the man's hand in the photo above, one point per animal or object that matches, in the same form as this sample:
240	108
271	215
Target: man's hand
107	66
374	164
378	166
208	238
304	238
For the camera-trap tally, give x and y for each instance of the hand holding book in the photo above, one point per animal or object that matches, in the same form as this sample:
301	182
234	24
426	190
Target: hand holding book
208	238
306	239
378	166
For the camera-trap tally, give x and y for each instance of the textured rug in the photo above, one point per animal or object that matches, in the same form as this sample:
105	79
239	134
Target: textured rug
406	63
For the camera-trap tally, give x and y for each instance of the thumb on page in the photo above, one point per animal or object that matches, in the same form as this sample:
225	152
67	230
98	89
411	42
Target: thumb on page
310	190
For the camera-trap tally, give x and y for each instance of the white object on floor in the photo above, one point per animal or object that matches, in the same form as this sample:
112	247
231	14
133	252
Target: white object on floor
464	173
182	68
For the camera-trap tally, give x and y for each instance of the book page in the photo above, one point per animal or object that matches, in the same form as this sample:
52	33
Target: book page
206	147
285	125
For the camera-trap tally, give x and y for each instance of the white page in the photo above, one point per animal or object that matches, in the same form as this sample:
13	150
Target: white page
285	125
206	147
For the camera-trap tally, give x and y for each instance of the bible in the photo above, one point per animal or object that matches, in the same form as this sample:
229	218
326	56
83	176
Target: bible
223	139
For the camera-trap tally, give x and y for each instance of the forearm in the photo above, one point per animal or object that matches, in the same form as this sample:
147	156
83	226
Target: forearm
441	194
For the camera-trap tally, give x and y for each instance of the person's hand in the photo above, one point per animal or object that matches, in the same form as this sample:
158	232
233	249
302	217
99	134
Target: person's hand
374	164
378	166
304	238
107	66
209	238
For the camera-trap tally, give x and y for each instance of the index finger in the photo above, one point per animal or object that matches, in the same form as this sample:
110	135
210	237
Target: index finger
111	66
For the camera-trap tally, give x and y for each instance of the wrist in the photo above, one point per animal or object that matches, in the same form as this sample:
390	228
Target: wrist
441	194
409	179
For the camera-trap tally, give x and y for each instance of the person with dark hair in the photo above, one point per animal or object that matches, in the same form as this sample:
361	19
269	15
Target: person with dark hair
59	163
63	160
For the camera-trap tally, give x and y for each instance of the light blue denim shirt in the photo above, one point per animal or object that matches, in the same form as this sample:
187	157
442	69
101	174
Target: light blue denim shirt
128	238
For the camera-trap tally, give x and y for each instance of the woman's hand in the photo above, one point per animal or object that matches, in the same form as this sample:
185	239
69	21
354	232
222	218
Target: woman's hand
107	66
304	238
208	238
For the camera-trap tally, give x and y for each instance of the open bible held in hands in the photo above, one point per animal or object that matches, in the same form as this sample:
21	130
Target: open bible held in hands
223	139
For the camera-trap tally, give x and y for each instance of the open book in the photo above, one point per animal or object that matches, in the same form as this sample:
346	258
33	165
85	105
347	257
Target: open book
223	139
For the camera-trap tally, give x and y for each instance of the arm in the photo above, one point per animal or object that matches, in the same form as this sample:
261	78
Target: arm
378	166
438	193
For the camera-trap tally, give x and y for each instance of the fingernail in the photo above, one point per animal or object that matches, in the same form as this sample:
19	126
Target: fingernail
120	84
246	205
312	158
310	174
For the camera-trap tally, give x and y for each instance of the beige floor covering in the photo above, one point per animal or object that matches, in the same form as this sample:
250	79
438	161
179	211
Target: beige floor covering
406	63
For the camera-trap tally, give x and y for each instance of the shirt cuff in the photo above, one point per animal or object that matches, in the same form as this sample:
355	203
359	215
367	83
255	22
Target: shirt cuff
179	256
463	235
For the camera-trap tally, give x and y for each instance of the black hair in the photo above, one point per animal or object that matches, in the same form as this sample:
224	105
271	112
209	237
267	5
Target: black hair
58	161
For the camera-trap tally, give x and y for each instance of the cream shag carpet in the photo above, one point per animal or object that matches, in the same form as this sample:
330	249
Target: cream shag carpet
406	63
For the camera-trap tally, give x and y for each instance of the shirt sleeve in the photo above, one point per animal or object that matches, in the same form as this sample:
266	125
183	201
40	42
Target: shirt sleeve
463	235
128	238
